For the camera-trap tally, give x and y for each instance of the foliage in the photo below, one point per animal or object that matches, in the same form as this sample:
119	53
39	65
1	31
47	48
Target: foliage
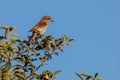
18	57
85	76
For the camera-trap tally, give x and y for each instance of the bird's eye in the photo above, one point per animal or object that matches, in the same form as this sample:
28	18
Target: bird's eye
48	18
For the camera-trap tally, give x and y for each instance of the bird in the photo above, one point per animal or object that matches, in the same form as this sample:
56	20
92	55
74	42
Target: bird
40	27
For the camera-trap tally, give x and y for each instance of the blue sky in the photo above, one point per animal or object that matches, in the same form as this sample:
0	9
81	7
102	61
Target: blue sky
95	25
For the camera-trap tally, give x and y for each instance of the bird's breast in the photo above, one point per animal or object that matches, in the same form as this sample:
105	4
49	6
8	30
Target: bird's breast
42	29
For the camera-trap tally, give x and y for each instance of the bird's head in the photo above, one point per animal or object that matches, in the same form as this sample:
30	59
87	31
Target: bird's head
47	19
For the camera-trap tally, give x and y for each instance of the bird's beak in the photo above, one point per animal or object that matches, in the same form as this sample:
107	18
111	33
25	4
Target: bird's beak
52	20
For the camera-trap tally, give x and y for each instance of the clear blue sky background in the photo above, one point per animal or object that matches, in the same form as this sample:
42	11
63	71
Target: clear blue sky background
95	24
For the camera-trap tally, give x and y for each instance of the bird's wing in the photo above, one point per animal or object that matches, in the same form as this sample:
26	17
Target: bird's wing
34	28
38	25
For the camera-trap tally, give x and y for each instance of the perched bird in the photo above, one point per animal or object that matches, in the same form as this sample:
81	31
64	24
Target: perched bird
40	27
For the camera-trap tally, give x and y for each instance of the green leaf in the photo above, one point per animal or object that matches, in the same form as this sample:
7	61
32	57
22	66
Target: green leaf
12	29
17	68
4	55
48	47
88	77
85	74
52	43
12	47
69	44
56	53
65	38
44	59
71	39
79	75
18	40
2	37
60	48
4	45
13	40
7	33
11	53
23	59
18	59
4	27
96	75
36	52
8	66
55	73
16	35
49	37
20	75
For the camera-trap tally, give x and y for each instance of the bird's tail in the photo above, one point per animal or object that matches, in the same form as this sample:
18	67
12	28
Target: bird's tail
32	37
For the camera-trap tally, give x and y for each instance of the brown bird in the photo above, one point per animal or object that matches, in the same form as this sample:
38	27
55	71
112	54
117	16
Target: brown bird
40	27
